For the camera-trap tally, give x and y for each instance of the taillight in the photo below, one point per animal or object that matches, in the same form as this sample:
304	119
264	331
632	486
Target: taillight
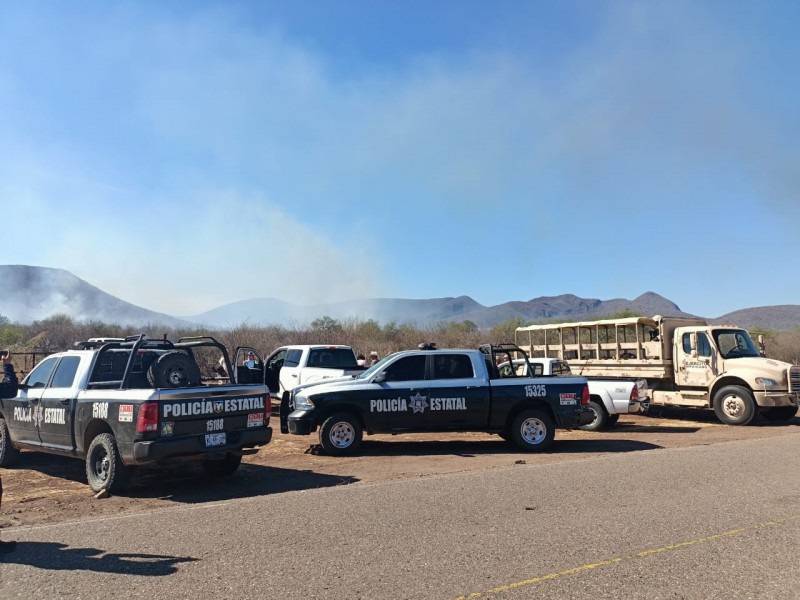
635	392
148	417
585	396
267	408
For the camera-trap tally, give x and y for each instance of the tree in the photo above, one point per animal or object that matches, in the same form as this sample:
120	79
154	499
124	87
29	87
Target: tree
326	324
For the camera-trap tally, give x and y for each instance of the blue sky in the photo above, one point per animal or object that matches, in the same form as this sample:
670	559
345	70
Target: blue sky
183	155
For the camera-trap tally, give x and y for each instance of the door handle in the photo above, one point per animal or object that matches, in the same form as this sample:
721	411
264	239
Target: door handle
293	375
64	401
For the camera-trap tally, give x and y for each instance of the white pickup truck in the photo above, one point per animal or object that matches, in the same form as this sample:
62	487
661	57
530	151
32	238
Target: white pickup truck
608	398
290	366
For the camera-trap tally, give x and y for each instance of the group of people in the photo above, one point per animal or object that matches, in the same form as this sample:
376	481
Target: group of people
8	389
362	361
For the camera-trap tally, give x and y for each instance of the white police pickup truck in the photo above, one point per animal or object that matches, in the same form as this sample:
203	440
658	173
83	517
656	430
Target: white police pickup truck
122	403
438	391
290	366
608	398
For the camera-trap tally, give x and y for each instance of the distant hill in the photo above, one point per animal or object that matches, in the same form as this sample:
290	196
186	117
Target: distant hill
772	318
265	311
34	293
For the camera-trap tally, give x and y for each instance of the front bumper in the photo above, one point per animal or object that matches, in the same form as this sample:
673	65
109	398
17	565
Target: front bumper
300	422
775	399
151	451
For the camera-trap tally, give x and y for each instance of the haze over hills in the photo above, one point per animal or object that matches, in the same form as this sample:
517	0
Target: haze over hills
35	293
424	312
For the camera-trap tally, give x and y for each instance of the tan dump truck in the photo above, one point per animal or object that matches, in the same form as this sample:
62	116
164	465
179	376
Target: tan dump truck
686	362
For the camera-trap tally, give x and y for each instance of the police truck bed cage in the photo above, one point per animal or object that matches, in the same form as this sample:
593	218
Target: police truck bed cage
139	362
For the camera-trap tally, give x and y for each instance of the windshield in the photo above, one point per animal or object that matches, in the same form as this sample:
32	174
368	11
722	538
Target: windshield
735	343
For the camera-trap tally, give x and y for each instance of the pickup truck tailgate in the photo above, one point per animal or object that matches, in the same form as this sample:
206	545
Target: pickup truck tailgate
208	422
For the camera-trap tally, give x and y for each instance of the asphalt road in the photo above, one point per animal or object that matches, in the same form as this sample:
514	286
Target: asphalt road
719	521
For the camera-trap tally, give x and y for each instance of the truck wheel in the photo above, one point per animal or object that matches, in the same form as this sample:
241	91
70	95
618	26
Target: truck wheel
781	413
600	420
223	468
8	454
734	405
174	370
533	430
341	434
104	468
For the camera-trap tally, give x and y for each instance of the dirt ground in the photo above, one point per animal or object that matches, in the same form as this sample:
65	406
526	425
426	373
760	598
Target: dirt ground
48	489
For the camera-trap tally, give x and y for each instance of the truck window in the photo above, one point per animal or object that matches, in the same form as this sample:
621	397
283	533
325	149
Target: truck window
561	368
341	358
703	345
687	344
452	366
735	343
408	368
39	377
110	366
64	376
292	358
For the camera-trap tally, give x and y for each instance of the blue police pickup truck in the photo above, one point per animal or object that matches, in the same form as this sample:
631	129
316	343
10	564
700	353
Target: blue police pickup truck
438	391
121	403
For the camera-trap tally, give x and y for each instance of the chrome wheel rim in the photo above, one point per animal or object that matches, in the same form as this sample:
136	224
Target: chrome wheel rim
342	434
533	431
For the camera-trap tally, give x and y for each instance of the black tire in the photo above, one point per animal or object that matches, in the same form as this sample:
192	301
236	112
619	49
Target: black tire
781	413
734	405
174	370
533	430
104	468
341	434
8	454
612	420
223	468
600	417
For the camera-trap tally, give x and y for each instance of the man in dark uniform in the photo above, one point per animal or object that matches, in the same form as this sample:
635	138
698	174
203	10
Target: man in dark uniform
8	389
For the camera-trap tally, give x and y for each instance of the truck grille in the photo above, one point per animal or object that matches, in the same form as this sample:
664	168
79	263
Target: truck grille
794	379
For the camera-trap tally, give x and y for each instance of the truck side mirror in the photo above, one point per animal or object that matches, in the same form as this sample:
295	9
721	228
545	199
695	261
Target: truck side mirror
693	344
762	349
380	377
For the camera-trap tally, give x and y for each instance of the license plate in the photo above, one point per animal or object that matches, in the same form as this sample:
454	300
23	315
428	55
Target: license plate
215	439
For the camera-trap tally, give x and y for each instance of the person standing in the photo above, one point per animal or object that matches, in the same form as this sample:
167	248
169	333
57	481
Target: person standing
8	389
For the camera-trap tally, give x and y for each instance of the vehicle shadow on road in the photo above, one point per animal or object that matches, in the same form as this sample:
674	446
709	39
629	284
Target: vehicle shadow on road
60	557
474	448
706	417
188	483
598	445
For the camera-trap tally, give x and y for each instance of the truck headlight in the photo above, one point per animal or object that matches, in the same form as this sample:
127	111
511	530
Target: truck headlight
303	402
766	382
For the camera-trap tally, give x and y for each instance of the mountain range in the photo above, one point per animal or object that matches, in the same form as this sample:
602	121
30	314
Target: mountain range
35	293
